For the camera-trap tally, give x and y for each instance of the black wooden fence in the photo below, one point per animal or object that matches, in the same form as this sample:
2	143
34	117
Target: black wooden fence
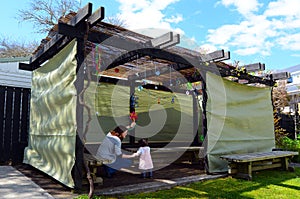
14	123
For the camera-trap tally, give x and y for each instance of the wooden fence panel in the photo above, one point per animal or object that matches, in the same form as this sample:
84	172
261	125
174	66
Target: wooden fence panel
15	146
8	123
2	101
24	131
14	119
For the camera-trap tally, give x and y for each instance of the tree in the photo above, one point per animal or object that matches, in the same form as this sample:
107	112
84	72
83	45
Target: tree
44	14
10	48
116	20
280	96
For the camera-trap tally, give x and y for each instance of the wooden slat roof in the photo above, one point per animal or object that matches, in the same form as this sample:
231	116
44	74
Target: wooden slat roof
128	55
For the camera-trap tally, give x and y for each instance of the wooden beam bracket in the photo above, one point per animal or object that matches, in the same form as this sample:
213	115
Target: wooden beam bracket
97	16
175	40
210	57
161	40
225	57
254	67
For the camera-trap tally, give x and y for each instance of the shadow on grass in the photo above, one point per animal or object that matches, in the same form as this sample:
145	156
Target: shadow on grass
234	188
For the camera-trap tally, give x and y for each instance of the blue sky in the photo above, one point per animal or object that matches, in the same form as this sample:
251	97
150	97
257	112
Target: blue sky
266	31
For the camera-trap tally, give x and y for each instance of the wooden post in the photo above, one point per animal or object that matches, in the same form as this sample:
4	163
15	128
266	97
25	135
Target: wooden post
195	119
79	84
285	163
204	119
204	102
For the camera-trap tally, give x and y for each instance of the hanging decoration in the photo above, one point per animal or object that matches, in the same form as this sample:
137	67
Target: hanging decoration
133	101
133	115
96	58
189	86
173	100
170	76
140	88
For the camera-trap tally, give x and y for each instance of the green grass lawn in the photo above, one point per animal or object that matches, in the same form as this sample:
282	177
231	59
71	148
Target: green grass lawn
265	184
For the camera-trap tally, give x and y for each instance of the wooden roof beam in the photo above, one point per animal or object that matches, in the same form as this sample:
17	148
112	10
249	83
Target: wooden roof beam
280	76
172	40
78	29
243	75
97	16
254	67
175	41
161	40
210	57
225	57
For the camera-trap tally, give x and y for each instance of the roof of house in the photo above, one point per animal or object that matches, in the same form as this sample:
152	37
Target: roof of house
293	69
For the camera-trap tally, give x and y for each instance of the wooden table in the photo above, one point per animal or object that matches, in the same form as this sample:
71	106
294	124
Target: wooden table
242	165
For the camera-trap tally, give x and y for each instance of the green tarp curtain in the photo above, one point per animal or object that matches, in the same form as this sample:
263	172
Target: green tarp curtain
240	120
170	120
159	118
109	107
51	147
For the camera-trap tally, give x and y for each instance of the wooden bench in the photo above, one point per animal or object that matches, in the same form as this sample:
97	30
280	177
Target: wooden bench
242	165
179	154
93	164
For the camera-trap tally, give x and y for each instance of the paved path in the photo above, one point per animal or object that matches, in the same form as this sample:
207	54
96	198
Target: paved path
13	184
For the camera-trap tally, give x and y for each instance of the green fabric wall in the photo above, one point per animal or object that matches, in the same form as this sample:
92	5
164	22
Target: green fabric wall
51	147
240	120
162	122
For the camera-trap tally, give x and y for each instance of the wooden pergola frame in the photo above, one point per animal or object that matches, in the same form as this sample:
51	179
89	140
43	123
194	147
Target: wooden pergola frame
84	26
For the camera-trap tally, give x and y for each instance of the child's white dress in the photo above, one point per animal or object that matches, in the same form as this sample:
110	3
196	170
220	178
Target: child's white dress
145	161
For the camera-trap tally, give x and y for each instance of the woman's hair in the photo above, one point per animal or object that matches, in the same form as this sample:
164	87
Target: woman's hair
143	142
118	131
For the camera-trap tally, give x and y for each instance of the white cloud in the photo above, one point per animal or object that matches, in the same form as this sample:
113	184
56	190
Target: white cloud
258	34
295	55
244	7
142	14
223	34
290	42
174	19
285	8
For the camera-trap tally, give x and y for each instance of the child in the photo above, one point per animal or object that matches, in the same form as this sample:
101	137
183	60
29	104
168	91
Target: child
145	161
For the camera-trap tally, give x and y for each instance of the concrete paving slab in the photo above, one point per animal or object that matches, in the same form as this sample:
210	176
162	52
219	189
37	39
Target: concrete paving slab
13	184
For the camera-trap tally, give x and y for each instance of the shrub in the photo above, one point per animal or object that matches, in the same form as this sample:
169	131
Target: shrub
287	143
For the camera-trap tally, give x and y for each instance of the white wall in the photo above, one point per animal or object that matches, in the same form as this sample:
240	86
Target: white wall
296	77
10	75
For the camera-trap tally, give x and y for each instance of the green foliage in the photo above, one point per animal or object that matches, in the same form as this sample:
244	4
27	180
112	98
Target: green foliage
291	145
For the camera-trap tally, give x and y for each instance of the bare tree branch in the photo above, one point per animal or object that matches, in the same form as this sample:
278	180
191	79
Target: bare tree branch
44	14
10	48
116	20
